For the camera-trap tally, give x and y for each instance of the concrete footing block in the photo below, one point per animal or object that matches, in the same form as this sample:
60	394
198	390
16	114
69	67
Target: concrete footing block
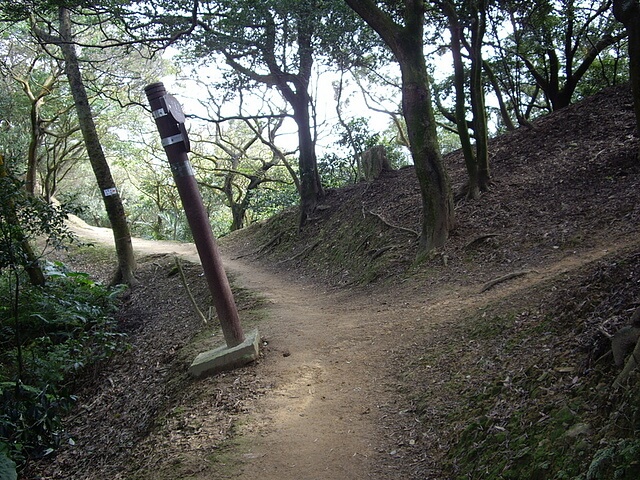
227	358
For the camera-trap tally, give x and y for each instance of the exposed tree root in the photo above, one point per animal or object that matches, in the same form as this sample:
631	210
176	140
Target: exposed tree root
496	281
404	229
271	243
482	238
379	252
300	254
466	193
264	248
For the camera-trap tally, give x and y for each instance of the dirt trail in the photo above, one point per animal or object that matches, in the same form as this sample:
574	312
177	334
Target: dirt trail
318	420
331	409
323	415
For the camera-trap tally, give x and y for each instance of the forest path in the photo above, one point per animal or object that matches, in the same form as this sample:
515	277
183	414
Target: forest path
320	418
330	399
332	409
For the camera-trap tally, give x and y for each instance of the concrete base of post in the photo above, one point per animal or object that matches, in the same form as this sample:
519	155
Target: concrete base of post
227	358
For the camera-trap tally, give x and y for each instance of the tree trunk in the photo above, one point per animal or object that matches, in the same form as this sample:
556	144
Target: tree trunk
309	186
34	143
311	190
357	152
472	187
101	170
37	130
406	43
559	96
437	201
478	107
627	12
238	207
504	112
237	217
634	63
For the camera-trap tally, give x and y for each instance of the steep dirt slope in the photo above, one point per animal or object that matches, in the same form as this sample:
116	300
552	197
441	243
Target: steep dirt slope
570	181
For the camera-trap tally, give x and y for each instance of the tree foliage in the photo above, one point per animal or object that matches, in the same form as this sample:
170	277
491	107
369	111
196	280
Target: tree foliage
556	41
279	44
23	218
284	47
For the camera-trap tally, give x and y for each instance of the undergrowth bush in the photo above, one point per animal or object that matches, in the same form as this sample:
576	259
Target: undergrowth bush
55	333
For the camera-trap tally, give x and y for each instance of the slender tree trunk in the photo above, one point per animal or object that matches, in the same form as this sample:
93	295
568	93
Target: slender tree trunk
31	266
477	163
310	186
101	170
472	188
478	26
294	88
34	143
634	63
627	12
504	112
311	191
357	152
37	130
238	208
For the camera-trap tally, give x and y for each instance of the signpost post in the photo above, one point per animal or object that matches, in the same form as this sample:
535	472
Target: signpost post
170	119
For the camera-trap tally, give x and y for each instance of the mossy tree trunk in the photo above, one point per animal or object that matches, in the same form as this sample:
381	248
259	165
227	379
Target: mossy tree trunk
311	191
476	159
478	105
406	42
437	201
37	127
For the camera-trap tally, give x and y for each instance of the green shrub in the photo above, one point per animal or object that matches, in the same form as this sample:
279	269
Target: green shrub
56	332
617	461
30	421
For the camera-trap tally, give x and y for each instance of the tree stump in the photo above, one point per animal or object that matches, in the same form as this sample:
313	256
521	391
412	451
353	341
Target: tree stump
374	162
